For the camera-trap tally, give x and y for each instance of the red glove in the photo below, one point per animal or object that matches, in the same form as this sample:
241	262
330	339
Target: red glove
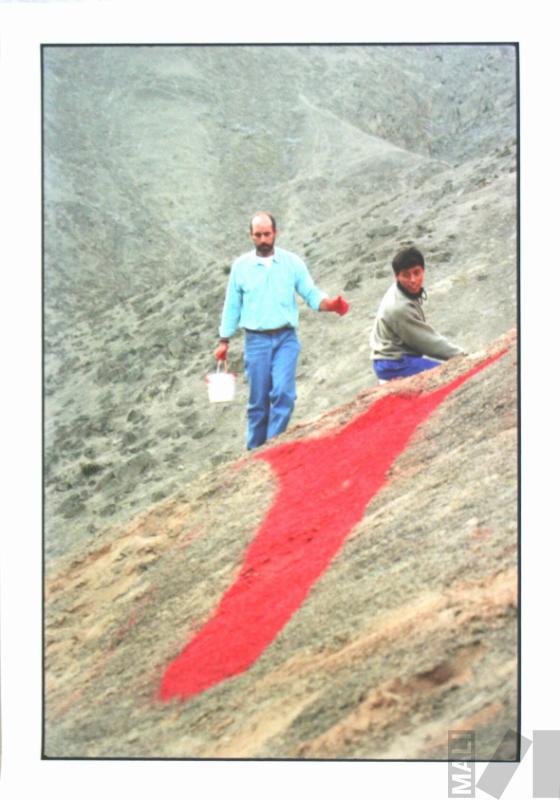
221	351
339	305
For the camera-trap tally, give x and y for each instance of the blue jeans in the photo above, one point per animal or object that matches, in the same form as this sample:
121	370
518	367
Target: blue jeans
388	370
270	365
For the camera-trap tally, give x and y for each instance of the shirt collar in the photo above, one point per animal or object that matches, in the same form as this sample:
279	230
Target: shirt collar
261	259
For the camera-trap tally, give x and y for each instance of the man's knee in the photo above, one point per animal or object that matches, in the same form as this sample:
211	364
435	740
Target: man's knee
283	397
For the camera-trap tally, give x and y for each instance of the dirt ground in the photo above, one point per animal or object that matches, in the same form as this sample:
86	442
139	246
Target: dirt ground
409	632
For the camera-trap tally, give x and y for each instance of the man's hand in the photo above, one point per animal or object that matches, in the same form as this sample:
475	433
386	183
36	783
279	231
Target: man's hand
221	351
339	304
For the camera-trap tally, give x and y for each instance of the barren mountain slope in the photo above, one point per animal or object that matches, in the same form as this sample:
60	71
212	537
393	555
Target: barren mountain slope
409	632
156	156
154	160
127	417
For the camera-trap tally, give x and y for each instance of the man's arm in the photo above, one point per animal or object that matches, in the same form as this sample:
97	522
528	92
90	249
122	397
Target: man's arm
305	286
231	314
232	307
420	336
314	297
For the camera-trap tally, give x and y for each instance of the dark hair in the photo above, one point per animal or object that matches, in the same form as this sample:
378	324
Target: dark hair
409	257
262	214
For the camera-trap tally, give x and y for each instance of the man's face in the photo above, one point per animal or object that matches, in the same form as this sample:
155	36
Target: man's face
411	279
263	235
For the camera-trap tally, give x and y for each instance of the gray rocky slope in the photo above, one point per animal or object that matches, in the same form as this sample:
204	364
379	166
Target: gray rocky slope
411	631
154	160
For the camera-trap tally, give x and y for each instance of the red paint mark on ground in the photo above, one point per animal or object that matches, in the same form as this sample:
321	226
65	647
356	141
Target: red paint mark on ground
325	485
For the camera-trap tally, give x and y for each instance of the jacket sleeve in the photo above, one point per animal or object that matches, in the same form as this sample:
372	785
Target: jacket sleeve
421	337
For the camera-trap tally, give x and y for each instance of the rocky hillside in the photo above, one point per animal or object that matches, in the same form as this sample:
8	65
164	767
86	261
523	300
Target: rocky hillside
154	160
155	157
409	631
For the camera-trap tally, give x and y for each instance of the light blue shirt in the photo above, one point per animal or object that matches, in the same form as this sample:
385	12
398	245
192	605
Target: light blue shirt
261	297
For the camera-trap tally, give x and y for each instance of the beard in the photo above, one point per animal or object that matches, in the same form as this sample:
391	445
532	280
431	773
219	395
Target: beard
265	249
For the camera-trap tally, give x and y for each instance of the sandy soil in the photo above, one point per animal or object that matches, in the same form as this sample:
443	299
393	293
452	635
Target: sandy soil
409	633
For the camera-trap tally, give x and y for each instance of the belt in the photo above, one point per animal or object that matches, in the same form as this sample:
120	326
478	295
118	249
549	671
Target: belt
272	330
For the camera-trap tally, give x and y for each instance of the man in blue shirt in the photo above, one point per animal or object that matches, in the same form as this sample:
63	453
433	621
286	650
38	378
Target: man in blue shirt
260	299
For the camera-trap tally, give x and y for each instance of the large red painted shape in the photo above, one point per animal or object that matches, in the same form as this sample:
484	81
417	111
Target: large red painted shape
325	485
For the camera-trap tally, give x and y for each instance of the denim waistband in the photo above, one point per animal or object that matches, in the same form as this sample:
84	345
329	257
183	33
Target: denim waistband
271	331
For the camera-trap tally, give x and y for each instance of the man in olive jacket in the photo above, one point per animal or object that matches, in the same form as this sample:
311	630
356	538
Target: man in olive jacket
401	338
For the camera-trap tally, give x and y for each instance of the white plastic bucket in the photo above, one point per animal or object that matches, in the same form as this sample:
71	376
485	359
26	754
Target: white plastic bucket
221	386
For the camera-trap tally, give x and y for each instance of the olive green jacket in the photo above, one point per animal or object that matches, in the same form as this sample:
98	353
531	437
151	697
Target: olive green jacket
400	328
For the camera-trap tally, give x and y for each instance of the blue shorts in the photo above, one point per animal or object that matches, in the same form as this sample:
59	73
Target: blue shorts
388	369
